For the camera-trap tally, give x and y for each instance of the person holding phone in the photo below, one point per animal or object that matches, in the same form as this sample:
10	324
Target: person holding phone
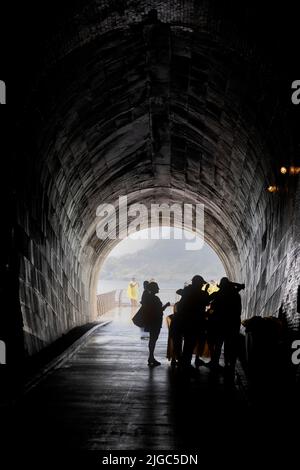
153	312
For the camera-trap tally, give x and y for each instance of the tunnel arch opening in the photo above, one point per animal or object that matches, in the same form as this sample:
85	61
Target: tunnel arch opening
173	109
161	253
214	234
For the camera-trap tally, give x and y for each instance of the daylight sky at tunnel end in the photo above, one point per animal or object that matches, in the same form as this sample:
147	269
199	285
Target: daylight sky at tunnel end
165	260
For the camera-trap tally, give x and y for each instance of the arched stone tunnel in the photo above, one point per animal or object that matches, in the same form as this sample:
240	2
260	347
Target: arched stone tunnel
162	101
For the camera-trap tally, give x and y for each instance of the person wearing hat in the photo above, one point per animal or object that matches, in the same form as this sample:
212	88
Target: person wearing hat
225	321
153	309
191	310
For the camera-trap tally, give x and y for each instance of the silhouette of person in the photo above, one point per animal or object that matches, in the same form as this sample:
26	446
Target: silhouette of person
201	347
225	322
133	292
153	311
175	337
145	292
191	311
144	334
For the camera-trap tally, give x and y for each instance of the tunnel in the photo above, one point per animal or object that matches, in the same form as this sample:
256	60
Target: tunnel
176	102
161	102
165	102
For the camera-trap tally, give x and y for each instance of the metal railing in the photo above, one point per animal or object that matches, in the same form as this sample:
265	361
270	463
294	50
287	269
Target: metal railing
106	302
165	294
118	298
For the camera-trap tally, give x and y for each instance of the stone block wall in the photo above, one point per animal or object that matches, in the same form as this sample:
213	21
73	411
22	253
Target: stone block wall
53	294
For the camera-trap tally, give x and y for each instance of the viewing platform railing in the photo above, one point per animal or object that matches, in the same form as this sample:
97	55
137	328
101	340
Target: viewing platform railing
118	298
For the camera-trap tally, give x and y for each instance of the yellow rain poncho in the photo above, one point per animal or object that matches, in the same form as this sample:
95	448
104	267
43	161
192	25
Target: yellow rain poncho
133	290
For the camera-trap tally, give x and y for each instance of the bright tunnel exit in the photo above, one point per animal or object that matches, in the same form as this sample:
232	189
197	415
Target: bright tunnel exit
161	255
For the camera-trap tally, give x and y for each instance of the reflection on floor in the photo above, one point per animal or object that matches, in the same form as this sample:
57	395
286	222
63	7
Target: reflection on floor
106	397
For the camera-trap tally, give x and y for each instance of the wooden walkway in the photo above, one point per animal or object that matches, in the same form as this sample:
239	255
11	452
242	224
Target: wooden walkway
106	397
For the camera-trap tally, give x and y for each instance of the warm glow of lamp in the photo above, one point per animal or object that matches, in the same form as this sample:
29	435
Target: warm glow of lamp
294	170
283	170
272	189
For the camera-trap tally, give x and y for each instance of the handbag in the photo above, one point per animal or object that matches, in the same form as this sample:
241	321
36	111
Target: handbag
139	318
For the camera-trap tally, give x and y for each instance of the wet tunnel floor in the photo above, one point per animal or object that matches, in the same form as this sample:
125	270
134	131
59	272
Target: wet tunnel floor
106	397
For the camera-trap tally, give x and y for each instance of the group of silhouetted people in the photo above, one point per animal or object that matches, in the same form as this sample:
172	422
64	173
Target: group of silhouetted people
200	319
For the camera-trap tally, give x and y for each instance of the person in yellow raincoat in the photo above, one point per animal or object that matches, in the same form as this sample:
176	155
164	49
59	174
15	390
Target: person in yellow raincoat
133	292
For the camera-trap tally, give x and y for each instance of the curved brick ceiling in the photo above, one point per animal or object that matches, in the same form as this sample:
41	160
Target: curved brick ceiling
158	107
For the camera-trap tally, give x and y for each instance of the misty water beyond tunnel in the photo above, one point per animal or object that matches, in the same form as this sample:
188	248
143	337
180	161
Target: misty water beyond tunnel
159	255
